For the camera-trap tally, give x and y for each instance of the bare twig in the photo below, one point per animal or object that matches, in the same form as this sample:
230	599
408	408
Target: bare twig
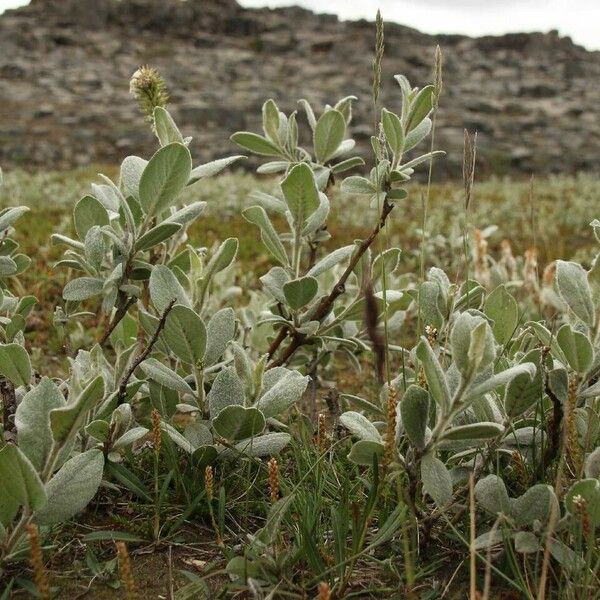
119	316
144	354
9	407
299	339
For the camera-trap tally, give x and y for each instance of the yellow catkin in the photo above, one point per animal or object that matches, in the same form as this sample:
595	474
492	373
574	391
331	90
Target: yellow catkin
37	562
324	591
573	449
125	571
322	434
209	482
156	433
273	479
390	431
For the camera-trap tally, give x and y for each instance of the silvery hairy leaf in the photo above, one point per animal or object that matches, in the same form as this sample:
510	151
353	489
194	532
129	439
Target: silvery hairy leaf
20	484
329	134
436	479
537	503
165	128
185	334
502	309
587	490
472	342
212	168
164	178
576	348
72	488
574	288
299	292
219	332
32	420
269	237
283	394
165	287
155	370
414	412
434	374
300	193
227	389
87	213
82	288
255	143
491	494
235	422
268	444
364	452
359	426
156	235
65	421
15	364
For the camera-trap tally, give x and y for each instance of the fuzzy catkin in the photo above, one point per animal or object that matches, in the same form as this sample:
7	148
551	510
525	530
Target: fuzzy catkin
324	591
209	482
150	89
390	432
37	562
156	433
125	571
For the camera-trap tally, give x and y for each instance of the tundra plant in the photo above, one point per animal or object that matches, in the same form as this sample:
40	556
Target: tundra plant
479	391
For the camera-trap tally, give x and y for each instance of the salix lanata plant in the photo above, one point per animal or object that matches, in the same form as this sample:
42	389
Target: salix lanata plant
163	345
309	305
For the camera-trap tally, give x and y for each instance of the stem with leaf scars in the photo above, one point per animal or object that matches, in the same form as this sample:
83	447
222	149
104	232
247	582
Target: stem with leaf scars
299	339
119	316
143	355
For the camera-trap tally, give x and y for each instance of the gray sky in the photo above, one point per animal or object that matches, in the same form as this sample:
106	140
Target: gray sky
578	18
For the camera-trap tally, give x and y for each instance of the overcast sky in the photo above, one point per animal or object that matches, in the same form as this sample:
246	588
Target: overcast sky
578	18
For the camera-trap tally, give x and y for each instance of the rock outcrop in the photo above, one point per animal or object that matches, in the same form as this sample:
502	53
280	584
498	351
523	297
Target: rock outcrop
65	67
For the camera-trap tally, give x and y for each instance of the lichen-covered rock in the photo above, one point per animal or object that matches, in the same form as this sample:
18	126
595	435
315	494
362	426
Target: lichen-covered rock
63	64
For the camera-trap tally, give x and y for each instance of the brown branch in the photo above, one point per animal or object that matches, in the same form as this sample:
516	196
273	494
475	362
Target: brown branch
339	288
277	341
9	408
143	355
119	316
554	429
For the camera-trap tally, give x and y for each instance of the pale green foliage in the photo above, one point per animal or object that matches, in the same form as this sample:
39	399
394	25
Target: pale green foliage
225	363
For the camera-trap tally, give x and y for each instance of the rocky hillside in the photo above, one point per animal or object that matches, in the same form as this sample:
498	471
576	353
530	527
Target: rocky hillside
65	67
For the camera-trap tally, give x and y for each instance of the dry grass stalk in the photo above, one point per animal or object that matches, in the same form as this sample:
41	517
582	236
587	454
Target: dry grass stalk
379	51
469	159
